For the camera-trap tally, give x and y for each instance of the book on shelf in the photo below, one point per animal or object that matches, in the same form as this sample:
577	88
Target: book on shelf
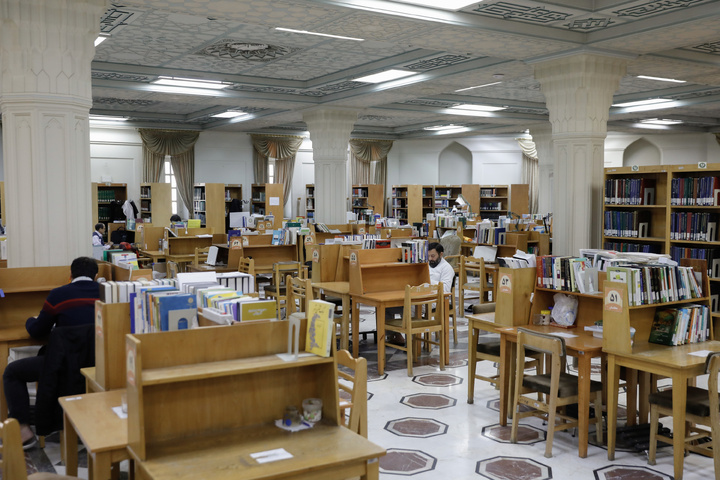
319	335
678	326
257	310
695	191
176	312
630	191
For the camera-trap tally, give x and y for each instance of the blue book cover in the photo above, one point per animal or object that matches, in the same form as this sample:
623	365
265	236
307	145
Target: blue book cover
176	311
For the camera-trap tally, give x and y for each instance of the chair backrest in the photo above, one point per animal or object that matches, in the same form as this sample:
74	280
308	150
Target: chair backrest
451	245
353	391
247	265
542	342
298	289
13	457
473	267
424	295
200	254
172	269
712	366
282	269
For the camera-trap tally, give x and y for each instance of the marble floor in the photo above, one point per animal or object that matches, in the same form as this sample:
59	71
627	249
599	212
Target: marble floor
431	432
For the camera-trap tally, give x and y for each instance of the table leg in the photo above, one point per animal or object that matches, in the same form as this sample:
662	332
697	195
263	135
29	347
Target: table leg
69	446
380	326
101	466
645	382
583	402
373	470
345	335
679	393
612	404
504	378
472	362
355	327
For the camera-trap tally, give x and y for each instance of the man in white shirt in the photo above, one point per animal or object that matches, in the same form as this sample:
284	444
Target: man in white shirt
440	270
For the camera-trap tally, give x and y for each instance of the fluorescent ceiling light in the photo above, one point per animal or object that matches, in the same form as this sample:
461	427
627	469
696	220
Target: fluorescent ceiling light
101	38
453	130
442	4
385	76
439	128
661	79
638	103
190	83
229	114
106	118
478	86
477	108
305	32
661	121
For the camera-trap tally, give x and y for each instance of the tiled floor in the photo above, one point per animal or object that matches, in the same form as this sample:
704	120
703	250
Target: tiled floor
431	432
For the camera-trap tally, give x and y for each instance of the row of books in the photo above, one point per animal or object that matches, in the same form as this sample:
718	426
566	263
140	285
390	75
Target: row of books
446	221
119	291
629	191
446	193
162	309
488	192
359	192
693	226
569	274
491	206
199	205
106	195
376	243
632	247
487	232
285	236
414	251
198	193
698	191
712	255
657	283
634	224
678	326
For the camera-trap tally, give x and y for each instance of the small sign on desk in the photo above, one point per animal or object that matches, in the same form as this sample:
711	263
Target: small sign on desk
613	300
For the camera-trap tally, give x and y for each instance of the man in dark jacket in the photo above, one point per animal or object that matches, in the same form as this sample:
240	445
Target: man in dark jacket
70	305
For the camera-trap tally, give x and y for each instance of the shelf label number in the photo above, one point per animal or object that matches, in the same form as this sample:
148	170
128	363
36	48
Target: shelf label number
635	168
702	165
130	364
316	255
613	300
506	283
309	239
353	258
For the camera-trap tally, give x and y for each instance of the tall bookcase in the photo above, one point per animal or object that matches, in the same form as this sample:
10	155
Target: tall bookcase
155	203
209	205
310	201
519	202
428	200
366	196
406	203
103	194
267	199
493	201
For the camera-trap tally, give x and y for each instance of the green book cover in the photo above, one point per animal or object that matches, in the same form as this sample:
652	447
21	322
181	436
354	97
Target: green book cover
663	326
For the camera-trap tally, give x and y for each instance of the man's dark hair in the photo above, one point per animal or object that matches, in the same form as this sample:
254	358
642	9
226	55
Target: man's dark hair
436	246
176	218
98	226
84	267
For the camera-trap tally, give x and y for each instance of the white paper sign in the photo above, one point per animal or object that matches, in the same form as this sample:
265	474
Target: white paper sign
271	455
274	201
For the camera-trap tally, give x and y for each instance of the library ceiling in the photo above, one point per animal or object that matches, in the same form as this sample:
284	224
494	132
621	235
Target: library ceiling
275	60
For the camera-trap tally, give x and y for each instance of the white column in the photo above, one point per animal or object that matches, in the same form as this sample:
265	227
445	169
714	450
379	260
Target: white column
45	95
542	136
330	130
578	91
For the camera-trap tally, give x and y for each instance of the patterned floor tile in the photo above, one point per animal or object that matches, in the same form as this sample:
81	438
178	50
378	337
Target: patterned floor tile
416	427
513	468
428	401
527	434
626	472
437	380
406	462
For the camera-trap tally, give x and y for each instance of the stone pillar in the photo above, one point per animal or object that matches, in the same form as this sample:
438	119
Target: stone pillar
542	136
578	92
330	133
45	95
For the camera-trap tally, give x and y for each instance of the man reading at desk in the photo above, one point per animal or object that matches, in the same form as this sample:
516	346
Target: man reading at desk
69	305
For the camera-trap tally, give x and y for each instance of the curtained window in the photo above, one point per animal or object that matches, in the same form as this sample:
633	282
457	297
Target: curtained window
281	148
531	174
368	159
180	146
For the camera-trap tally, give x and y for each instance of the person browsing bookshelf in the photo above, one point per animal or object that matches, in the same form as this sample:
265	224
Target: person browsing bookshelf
66	306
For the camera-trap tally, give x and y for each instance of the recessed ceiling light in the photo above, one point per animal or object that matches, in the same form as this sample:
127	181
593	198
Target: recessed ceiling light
661	121
438	128
305	32
661	79
190	83
106	118
385	76
637	103
477	86
444	4
101	38
477	108
229	114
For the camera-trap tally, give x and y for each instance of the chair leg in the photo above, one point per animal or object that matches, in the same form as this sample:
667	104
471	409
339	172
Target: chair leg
654	418
454	326
552	412
442	349
472	367
409	340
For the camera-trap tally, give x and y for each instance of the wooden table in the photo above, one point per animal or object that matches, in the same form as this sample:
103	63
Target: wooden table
382	301
322	452
104	434
584	346
342	290
154	255
672	362
91	383
204	267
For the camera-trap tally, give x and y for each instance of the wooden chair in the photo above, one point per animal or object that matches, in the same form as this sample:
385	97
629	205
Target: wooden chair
472	277
200	254
353	392
299	295
703	408
12	464
247	265
411	325
560	388
277	289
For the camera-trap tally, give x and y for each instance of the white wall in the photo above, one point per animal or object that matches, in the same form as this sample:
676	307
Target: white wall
116	156
455	165
674	149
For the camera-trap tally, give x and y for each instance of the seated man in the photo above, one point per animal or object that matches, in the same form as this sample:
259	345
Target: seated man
69	305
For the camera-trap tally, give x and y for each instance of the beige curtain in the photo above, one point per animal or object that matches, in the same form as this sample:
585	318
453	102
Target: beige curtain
283	148
180	146
368	159
531	171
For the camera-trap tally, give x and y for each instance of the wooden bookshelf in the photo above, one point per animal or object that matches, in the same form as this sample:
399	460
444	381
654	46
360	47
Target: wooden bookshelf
310	202
366	196
209	205
103	194
493	201
471	194
267	199
155	203
428	200
406	203
519	201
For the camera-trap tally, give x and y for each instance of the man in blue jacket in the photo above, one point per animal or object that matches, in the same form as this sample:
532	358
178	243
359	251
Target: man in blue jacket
70	305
